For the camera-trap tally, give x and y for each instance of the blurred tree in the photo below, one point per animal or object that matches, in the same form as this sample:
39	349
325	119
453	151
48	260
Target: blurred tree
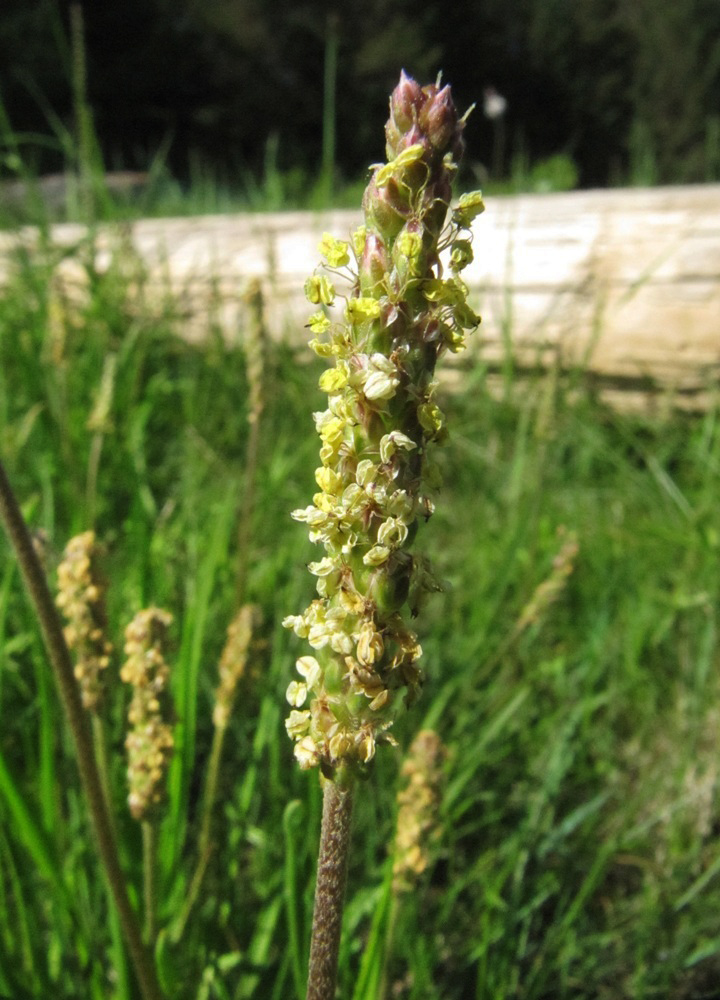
34	63
588	54
676	80
632	71
226	81
563	67
283	49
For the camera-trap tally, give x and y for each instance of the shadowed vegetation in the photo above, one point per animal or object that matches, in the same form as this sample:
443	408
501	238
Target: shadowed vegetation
576	850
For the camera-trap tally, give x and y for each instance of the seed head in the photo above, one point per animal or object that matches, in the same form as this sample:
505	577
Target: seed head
418	806
255	340
405	103
149	742
547	592
439	119
233	661
81	598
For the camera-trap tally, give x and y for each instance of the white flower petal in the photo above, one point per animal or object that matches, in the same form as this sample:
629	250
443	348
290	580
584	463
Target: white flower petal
297	723
380	386
309	668
376	556
296	694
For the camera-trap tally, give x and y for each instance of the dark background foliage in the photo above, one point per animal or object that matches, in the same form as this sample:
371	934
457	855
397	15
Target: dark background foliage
213	81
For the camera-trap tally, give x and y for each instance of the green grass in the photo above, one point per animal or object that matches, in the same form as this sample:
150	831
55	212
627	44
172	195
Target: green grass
578	853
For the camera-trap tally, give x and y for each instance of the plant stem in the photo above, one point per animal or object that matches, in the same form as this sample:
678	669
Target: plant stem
83	118
246	513
330	888
61	662
255	339
327	171
148	839
389	945
96	446
100	747
205	846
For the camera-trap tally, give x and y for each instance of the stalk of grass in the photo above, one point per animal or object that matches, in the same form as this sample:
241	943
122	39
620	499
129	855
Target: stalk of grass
47	771
291	818
99	424
31	835
203	569
264	925
373	967
149	741
92	194
81	597
59	656
255	340
101	756
83	117
327	170
233	662
205	847
119	958
22	943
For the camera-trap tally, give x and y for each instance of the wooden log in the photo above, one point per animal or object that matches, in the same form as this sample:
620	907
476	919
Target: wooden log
624	282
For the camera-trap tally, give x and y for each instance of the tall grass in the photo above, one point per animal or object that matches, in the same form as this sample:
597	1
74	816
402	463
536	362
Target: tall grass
578	849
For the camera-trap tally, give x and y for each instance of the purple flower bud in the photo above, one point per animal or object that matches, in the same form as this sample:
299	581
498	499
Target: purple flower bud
405	102
385	208
413	137
374	264
439	119
393	136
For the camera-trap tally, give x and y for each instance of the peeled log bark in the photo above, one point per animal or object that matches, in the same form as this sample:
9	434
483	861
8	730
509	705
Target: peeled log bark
623	282
626	282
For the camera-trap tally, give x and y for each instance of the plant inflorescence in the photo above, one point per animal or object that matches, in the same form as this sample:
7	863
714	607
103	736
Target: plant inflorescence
403	310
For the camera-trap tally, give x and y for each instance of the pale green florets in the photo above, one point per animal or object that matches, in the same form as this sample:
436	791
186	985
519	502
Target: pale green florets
81	598
150	740
400	315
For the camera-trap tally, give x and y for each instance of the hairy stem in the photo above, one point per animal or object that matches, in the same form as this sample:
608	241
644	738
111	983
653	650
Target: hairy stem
61	662
330	890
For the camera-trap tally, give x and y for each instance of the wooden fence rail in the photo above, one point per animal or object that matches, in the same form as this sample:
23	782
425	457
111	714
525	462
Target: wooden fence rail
626	282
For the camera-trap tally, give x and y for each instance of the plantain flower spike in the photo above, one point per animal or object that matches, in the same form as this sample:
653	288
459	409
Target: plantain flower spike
81	598
149	743
233	661
547	592
418	826
403	311
255	339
